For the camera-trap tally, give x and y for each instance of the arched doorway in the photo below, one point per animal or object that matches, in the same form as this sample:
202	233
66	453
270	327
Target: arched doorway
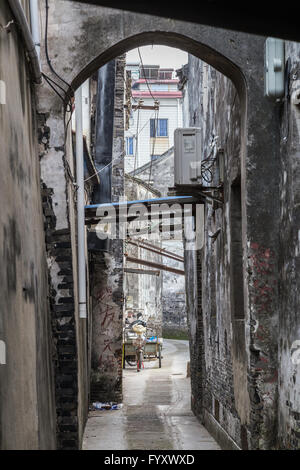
99	38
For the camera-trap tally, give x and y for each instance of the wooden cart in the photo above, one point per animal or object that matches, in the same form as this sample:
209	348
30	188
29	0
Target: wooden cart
152	352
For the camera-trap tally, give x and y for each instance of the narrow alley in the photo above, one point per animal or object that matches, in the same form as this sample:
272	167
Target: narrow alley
149	228
156	413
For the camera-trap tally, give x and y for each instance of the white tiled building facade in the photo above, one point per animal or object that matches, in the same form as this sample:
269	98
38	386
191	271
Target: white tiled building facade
151	133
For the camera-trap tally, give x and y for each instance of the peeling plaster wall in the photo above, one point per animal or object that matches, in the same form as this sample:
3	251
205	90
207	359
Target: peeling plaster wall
27	408
106	274
106	364
214	106
70	358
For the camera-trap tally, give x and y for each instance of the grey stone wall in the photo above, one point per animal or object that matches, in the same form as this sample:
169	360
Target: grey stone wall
217	337
27	407
227	388
289	320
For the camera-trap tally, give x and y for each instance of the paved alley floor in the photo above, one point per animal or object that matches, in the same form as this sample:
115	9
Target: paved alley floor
156	412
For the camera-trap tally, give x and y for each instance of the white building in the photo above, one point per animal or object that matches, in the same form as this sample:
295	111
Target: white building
151	132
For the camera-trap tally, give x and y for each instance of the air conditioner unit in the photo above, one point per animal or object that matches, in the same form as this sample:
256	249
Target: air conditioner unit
274	68
187	156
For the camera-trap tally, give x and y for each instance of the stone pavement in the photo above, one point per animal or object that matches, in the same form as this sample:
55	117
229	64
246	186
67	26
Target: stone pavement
156	412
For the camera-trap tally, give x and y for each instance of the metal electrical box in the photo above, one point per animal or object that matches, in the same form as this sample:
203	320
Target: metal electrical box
187	156
274	68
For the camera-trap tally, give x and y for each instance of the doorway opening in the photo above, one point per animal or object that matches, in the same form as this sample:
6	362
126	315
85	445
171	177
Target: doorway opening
137	103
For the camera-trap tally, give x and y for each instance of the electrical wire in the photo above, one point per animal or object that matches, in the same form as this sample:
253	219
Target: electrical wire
145	74
67	98
67	94
46	48
208	163
52	86
110	163
123	154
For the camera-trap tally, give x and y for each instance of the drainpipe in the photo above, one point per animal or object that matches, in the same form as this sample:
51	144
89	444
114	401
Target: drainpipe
80	205
24	27
35	27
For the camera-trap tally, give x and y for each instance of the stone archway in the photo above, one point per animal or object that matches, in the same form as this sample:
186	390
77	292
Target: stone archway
90	37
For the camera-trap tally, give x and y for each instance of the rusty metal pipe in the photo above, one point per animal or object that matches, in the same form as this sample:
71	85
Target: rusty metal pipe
154	249
145	262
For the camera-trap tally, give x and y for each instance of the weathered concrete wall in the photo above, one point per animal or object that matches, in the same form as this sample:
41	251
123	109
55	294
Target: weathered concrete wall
107	274
70	357
214	106
289	320
69	331
27	410
237	387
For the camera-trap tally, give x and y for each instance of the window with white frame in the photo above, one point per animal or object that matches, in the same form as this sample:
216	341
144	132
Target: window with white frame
158	127
129	145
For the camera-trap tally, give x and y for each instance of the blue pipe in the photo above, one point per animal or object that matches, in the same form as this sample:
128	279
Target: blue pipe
141	201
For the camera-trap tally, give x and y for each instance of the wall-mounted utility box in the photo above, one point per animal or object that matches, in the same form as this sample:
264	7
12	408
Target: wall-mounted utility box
274	68
187	156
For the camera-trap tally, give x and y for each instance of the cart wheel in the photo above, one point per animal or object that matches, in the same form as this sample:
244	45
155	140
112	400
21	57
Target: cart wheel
130	363
159	358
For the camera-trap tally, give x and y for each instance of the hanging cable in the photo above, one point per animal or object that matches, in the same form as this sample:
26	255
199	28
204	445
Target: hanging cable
48	80
209	162
123	154
46	48
67	93
67	98
136	140
145	74
110	163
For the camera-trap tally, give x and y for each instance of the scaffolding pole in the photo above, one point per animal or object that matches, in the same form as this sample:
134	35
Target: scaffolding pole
151	264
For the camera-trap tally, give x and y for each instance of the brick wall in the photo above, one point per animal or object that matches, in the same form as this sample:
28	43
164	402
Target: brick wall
64	336
214	106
